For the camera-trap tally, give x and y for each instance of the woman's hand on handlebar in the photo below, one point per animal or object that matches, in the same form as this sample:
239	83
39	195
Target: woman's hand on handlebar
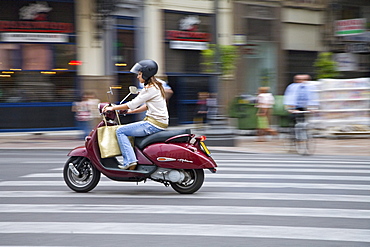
108	108
123	112
120	108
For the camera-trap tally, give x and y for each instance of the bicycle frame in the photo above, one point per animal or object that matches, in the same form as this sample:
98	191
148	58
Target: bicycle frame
299	135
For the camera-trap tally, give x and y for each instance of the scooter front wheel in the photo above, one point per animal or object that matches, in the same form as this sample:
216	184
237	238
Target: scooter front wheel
80	175
194	179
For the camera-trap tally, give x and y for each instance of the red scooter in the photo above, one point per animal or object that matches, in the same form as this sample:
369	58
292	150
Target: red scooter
175	158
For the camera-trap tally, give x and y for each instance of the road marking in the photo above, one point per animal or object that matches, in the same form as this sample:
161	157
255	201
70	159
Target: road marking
281	169
294	159
198	195
213	230
313	166
319	163
248	176
224	165
44	162
207	184
193	210
290	176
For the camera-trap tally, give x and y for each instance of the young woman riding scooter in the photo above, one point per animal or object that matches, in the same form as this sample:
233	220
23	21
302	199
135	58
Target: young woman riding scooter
152	100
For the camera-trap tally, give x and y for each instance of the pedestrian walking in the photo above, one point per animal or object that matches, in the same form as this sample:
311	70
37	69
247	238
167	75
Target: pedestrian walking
83	116
201	109
265	102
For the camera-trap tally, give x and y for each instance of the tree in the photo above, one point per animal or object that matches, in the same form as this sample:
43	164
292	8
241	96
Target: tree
228	55
325	66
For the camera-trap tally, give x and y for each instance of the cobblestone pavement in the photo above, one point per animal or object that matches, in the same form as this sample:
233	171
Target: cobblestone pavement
69	139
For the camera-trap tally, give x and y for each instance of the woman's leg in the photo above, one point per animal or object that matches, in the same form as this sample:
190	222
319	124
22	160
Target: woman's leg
141	128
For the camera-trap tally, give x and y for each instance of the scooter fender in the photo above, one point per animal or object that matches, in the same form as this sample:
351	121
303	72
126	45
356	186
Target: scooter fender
78	151
175	156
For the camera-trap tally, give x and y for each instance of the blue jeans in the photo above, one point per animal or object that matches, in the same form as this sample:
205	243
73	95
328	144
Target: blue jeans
142	128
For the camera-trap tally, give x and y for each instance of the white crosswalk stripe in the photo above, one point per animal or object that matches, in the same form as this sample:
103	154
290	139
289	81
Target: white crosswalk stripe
170	209
308	233
270	198
199	195
270	176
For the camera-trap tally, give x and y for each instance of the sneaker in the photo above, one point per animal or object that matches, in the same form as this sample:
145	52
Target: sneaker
128	166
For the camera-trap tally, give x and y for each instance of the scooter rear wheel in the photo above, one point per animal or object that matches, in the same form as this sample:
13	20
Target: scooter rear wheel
193	181
88	176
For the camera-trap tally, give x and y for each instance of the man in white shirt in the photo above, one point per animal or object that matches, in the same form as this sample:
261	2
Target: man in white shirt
300	95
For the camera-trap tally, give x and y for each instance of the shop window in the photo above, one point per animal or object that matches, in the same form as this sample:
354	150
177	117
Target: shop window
125	22
306	1
125	50
350	12
125	80
9	56
63	55
192	61
37	57
33	86
258	29
124	44
28	75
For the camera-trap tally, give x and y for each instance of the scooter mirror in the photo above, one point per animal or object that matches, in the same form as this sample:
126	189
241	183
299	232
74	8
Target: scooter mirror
133	89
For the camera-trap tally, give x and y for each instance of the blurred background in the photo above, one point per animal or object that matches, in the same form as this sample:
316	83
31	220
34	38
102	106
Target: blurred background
51	52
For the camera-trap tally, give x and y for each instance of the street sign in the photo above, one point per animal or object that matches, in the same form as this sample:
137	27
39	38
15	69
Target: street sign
350	27
358	47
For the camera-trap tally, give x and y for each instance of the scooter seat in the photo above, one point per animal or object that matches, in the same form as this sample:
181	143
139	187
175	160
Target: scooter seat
142	142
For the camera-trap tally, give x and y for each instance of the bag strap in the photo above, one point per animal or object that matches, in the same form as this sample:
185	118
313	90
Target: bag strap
105	120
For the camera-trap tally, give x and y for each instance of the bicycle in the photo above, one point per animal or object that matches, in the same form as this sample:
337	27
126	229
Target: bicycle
300	136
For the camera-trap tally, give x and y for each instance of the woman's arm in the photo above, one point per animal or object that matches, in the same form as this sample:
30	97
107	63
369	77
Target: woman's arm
138	110
125	107
116	108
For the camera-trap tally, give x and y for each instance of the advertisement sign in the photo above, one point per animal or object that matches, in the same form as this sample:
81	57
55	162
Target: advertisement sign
187	37
358	48
37	17
363	37
35	37
346	61
188	45
239	39
350	27
364	62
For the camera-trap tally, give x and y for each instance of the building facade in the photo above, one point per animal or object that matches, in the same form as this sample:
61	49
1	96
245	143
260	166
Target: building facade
37	64
347	35
70	46
173	34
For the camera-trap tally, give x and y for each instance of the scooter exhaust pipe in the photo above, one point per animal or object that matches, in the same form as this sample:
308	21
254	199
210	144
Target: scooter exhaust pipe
73	169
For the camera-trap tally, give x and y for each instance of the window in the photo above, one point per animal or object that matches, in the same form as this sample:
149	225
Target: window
124	45
258	29
125	50
37	73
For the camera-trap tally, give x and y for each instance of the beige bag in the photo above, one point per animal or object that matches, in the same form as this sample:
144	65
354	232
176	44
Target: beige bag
107	140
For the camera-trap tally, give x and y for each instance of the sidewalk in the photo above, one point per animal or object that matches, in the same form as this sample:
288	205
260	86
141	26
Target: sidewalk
67	140
324	146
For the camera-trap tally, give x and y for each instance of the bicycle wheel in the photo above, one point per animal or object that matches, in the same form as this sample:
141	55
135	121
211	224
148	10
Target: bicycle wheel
288	141
300	146
305	143
310	143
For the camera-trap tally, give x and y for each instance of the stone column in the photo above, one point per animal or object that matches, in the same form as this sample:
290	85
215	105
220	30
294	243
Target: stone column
90	51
